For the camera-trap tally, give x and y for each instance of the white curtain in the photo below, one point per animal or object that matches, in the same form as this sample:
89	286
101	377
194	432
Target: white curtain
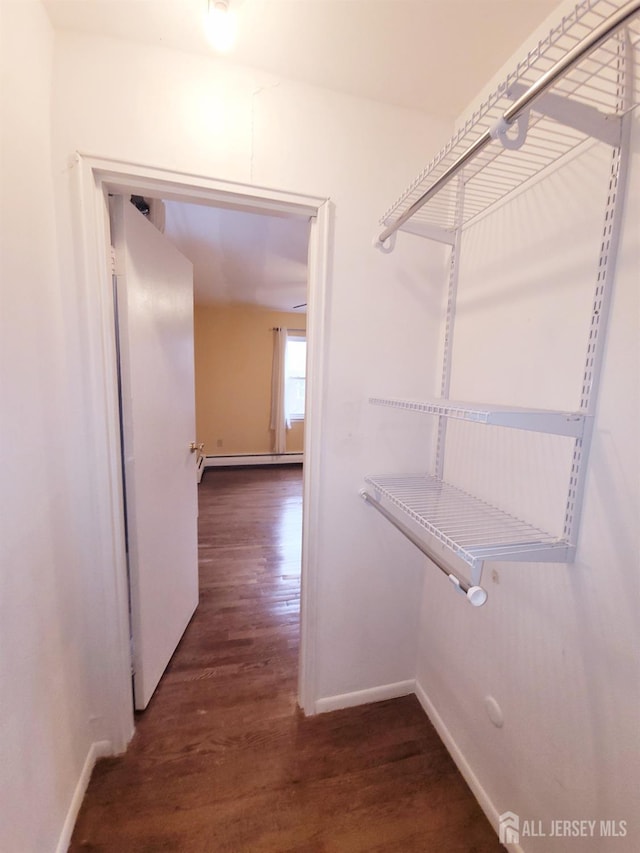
280	420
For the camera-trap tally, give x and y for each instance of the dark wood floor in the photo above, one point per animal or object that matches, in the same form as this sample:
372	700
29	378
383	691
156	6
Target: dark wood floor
222	760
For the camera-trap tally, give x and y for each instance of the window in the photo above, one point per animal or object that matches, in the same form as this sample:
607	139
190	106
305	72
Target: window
295	368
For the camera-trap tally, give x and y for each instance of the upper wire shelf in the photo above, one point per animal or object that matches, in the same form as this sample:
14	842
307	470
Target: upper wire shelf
515	417
584	102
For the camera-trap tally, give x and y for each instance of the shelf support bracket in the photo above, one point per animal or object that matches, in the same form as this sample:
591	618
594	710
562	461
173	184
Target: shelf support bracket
421	229
431	232
574	114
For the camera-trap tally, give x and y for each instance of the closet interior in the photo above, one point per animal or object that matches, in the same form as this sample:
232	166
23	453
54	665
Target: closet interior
568	102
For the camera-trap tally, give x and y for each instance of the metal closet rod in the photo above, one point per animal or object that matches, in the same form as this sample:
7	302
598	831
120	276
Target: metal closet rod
476	595
279	329
589	43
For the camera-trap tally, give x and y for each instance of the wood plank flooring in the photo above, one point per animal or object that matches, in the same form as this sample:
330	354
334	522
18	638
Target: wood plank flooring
222	760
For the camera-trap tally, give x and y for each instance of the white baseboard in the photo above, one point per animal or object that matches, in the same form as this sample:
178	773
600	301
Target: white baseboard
97	750
253	459
364	697
487	806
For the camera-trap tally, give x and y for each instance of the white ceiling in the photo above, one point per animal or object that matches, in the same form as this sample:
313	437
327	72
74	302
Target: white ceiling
429	55
242	257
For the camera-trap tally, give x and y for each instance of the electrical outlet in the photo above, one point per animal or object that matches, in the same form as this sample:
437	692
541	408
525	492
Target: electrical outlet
219	443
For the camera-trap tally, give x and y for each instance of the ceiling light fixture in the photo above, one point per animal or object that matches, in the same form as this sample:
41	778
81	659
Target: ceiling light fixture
220	25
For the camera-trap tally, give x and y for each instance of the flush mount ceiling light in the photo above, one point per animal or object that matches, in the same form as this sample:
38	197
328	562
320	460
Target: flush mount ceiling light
220	25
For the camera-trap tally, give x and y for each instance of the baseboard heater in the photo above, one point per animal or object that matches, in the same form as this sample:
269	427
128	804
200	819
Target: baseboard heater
253	459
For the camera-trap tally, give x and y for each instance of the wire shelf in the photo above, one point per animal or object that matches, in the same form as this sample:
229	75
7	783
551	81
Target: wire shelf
591	90
516	417
469	528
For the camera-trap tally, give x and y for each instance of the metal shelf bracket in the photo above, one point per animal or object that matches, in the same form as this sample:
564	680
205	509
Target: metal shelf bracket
572	113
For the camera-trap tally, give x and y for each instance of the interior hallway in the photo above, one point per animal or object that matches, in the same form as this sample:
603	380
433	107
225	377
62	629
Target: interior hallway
222	760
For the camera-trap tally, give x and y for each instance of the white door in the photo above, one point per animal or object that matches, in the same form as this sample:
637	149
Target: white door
154	297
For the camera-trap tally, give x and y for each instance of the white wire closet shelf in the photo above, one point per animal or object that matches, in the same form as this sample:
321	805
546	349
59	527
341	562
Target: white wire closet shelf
582	103
466	527
516	417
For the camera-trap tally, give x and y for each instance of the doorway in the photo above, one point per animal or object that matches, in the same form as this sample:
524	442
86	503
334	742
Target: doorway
196	280
98	178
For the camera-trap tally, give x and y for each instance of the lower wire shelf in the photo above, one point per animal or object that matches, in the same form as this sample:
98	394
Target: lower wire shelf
455	523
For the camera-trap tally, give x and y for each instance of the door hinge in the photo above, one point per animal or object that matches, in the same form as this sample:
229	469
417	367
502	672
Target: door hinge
112	255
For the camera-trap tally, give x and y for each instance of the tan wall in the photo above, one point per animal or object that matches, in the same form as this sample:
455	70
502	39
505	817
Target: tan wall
233	358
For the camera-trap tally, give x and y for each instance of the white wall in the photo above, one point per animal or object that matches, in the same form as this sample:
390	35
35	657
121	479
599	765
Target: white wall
207	117
45	665
557	646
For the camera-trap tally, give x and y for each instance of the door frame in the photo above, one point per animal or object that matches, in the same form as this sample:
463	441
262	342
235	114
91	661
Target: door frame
96	177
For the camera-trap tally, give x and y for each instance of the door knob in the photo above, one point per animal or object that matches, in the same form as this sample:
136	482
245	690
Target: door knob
194	446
